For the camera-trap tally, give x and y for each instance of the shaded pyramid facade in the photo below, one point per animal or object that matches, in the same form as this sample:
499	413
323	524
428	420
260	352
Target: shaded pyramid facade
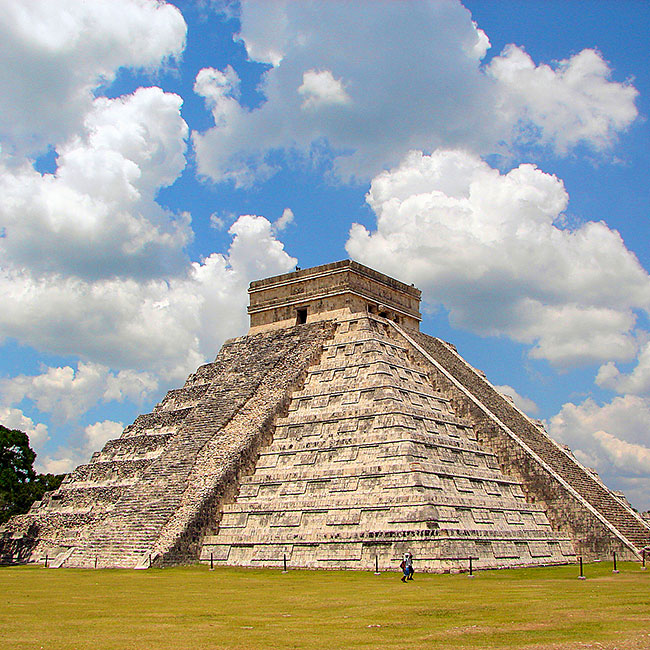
335	435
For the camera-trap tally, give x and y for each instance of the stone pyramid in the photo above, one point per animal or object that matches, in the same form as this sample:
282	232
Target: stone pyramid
334	435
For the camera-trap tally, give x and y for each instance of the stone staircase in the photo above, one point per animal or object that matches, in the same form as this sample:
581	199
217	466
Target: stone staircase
371	461
627	525
244	368
132	496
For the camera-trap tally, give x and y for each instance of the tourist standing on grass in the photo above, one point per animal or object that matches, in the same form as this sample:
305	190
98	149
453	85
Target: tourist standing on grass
406	568
409	566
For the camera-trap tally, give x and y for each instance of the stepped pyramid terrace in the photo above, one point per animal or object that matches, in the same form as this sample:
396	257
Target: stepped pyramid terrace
337	435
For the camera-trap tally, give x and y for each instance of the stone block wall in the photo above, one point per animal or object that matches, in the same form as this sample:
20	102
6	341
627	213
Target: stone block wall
151	492
369	462
575	501
324	292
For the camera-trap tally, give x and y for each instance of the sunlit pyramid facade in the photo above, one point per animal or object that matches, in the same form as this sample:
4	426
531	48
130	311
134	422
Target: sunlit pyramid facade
333	435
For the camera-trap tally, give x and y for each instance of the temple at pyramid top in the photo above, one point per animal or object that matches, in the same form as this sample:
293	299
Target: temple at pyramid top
327	291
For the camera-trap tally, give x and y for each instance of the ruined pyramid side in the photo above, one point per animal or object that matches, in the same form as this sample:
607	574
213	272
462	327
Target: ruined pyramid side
64	517
576	502
147	495
371	462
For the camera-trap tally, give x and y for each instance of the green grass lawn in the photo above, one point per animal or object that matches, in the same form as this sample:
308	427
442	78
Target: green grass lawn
194	608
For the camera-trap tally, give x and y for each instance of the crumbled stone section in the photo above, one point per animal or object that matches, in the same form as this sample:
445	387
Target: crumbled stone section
64	518
371	462
576	501
285	357
148	495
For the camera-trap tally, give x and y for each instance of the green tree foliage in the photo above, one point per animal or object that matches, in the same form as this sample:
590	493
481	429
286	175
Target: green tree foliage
20	485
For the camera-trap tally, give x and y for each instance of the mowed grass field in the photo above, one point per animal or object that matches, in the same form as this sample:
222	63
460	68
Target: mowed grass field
193	608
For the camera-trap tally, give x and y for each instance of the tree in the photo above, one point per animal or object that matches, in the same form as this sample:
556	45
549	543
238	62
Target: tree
20	485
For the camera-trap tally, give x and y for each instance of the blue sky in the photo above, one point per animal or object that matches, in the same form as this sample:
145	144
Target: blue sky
157	157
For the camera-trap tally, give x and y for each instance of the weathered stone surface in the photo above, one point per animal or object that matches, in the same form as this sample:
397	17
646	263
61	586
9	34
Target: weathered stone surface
150	494
324	292
370	462
575	499
334	434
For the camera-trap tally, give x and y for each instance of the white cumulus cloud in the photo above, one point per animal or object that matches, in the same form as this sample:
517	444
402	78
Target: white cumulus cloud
613	439
56	53
67	393
409	78
165	326
412	77
14	418
79	450
574	101
320	89
285	219
92	265
490	247
637	382
98	434
97	215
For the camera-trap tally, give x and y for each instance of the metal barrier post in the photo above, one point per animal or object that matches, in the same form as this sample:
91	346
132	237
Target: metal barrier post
284	563
46	559
643	556
582	575
615	569
471	571
376	565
